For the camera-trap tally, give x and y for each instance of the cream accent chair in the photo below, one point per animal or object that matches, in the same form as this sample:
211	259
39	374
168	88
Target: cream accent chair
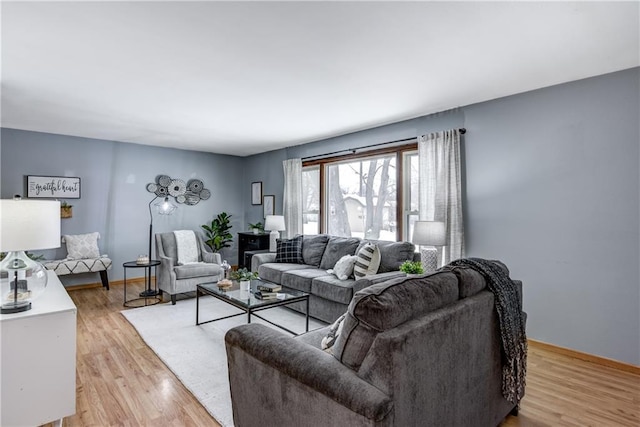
176	279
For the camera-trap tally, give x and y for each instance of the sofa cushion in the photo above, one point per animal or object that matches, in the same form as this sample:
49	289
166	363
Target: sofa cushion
333	289
301	279
386	305
392	254
367	261
337	247
313	248
272	271
189	271
81	246
289	250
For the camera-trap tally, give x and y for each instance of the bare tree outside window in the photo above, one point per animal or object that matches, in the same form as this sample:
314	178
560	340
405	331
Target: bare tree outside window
361	195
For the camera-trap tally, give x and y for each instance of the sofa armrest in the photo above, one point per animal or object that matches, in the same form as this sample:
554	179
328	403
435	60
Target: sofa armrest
258	259
270	371
165	273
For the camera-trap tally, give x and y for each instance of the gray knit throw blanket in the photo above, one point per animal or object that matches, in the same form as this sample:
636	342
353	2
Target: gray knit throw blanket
509	309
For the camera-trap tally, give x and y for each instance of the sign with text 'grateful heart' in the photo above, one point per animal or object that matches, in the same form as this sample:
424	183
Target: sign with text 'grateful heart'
56	187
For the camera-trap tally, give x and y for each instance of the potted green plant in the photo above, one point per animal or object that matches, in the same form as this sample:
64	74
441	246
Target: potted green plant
218	232
257	228
66	210
412	267
244	276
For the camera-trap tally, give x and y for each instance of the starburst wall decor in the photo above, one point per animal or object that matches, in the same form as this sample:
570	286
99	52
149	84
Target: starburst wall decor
190	193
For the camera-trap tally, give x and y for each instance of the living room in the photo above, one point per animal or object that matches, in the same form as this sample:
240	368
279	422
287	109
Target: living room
551	182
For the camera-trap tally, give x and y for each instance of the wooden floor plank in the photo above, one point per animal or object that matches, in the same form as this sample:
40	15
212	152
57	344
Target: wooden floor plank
121	382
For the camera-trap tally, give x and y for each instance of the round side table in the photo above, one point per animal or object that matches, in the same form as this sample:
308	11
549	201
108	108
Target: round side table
148	298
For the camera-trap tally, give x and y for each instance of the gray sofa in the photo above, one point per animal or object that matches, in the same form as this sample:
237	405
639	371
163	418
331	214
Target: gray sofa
330	296
413	351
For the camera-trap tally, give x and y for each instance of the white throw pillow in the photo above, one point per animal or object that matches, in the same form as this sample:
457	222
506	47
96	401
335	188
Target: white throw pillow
334	333
367	262
82	246
344	267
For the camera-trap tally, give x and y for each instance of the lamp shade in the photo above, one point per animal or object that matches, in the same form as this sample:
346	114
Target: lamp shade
274	223
429	233
29	225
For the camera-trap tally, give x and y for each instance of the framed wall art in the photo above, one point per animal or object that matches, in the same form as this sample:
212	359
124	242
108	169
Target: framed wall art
53	187
256	193
268	202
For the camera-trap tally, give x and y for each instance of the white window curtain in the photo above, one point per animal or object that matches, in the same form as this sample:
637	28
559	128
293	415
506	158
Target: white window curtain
440	192
292	200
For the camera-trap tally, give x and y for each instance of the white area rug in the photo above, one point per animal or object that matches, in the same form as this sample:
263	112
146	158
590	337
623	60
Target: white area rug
196	354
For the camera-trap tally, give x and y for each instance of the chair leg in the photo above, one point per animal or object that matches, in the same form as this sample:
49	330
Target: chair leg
514	411
173	299
105	279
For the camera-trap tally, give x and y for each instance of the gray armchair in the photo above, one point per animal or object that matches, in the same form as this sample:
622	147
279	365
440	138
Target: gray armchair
176	279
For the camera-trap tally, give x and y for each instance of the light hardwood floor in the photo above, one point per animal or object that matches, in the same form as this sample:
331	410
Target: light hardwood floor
121	382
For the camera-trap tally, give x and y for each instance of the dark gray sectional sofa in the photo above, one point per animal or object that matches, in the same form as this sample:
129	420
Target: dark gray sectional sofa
330	296
413	351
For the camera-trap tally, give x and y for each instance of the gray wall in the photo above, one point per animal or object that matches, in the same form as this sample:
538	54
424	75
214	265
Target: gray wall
552	189
114	199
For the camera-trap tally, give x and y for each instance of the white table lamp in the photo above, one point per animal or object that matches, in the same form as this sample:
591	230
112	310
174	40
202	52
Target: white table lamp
25	225
275	223
429	234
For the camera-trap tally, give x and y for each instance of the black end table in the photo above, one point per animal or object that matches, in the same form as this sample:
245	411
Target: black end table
149	298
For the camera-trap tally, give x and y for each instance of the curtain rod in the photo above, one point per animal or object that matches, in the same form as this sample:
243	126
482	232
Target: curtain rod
353	150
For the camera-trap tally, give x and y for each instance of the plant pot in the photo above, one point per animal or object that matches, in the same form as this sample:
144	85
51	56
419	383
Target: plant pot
256	231
245	285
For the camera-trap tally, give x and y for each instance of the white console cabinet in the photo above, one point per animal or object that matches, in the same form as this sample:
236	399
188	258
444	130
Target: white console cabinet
38	360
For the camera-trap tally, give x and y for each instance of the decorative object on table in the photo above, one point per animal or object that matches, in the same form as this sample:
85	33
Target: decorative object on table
256	193
189	193
142	259
268	203
257	228
25	224
225	284
218	232
412	267
225	269
60	187
66	210
244	276
275	224
428	235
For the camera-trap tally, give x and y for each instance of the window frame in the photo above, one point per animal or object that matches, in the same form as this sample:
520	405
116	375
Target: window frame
398	150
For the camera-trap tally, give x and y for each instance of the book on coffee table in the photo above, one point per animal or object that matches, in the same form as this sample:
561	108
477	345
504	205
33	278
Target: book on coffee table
266	295
269	287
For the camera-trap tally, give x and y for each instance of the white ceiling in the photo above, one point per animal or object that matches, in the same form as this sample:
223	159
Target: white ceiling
247	77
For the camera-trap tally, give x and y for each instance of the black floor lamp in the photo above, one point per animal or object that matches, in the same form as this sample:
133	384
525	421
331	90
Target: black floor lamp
165	207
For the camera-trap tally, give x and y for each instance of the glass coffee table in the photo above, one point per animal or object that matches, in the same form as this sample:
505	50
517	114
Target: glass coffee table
246	301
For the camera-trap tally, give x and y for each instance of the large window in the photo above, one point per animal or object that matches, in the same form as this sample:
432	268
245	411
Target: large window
369	195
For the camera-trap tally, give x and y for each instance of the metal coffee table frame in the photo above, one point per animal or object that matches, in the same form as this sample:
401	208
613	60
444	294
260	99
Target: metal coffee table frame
250	309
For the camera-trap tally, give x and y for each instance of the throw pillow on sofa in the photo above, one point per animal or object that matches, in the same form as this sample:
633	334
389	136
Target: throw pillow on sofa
344	267
289	250
332	336
367	261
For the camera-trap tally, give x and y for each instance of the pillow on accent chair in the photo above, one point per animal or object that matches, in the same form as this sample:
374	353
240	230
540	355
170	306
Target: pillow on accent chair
82	246
289	250
367	262
344	267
